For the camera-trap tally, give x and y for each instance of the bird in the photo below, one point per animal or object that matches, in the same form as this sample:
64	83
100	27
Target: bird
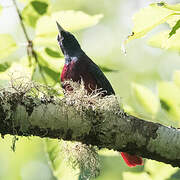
78	66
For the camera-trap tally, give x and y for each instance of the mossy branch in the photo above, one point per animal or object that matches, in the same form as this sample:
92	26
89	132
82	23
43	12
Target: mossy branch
27	110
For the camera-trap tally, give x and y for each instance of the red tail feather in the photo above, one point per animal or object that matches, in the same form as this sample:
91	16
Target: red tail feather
131	160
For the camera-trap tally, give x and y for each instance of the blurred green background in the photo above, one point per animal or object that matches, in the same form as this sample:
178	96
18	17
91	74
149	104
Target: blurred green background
145	78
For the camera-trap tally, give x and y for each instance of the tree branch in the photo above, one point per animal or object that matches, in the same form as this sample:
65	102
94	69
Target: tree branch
25	115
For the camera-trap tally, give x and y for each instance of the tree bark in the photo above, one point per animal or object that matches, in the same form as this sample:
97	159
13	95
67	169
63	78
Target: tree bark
25	115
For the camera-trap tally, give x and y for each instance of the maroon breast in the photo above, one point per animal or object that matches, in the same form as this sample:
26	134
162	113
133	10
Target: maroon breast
77	71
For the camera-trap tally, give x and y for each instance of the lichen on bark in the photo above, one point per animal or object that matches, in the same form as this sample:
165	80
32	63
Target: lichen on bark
89	119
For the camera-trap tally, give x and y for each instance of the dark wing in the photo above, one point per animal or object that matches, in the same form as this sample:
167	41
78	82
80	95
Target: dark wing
99	76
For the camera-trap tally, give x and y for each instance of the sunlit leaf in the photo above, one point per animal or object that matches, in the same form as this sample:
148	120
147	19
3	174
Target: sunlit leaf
175	28
158	170
162	40
146	98
75	20
173	20
7	45
148	18
30	16
51	74
59	166
56	64
45	75
52	53
174	7
169	95
33	11
70	20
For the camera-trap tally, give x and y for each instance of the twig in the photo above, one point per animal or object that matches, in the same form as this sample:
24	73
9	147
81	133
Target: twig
30	49
21	21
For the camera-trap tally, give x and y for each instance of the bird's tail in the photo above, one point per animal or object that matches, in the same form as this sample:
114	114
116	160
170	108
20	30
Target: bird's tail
131	160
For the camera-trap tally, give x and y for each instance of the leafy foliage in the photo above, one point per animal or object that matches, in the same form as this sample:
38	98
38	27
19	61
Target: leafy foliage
45	34
33	11
148	18
146	98
153	15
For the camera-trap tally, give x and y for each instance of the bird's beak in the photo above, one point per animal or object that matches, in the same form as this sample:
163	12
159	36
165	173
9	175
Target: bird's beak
60	29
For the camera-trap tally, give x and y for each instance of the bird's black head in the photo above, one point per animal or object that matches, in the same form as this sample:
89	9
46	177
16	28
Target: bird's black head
68	43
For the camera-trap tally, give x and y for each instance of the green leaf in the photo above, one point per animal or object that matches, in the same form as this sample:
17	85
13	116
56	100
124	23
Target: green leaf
51	74
45	75
106	69
7	45
169	94
175	28
146	98
75	20
52	53
162	40
33	11
148	18
164	105
30	16
174	7
56	64
4	66
40	7
58	164
46	29
158	170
